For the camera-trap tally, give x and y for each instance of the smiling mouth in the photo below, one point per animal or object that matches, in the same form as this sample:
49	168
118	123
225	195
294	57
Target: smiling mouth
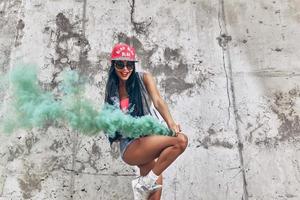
124	74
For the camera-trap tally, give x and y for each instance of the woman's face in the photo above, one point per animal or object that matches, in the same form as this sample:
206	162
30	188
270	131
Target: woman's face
124	69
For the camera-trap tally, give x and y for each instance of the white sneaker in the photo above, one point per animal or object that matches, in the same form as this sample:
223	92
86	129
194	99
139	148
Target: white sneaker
142	191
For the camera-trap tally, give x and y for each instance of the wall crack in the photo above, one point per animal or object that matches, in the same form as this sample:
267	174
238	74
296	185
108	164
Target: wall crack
223	41
138	27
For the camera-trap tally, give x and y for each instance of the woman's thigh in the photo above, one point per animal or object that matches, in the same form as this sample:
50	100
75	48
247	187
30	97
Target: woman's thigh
146	149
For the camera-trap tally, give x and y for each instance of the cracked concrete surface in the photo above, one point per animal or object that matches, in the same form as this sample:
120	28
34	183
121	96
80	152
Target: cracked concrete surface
229	71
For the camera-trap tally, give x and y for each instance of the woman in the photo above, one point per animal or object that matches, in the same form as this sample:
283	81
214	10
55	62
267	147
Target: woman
136	91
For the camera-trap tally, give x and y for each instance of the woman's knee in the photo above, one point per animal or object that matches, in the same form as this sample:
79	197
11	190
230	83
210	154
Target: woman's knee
182	141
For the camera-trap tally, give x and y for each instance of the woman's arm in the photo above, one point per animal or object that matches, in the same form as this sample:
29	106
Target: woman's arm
159	103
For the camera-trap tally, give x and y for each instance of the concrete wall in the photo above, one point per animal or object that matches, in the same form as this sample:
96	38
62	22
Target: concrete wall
229	71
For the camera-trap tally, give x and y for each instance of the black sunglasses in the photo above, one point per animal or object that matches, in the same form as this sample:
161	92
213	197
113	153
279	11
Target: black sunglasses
121	64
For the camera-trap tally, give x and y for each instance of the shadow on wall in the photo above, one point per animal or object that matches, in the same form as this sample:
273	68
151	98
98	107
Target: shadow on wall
174	67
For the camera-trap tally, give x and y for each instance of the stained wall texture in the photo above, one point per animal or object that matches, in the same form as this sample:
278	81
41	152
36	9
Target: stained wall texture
228	69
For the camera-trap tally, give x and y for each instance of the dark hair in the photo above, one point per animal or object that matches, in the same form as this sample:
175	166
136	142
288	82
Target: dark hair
133	88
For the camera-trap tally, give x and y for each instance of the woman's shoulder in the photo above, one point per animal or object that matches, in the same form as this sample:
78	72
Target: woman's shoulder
143	74
147	78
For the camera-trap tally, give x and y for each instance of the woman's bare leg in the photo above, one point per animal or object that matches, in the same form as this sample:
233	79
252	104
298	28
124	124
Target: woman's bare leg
157	194
144	170
147	149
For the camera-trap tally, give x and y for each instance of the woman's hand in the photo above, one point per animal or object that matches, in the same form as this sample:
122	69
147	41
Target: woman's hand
176	128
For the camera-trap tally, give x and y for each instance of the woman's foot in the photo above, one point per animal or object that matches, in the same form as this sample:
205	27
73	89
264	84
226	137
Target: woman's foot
141	191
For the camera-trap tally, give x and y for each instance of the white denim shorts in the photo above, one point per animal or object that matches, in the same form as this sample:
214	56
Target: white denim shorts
124	143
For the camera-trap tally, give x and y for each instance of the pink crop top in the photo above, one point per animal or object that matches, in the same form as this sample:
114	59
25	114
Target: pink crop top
124	103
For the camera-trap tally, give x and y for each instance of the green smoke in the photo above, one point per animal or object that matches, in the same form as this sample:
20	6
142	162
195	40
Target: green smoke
32	107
